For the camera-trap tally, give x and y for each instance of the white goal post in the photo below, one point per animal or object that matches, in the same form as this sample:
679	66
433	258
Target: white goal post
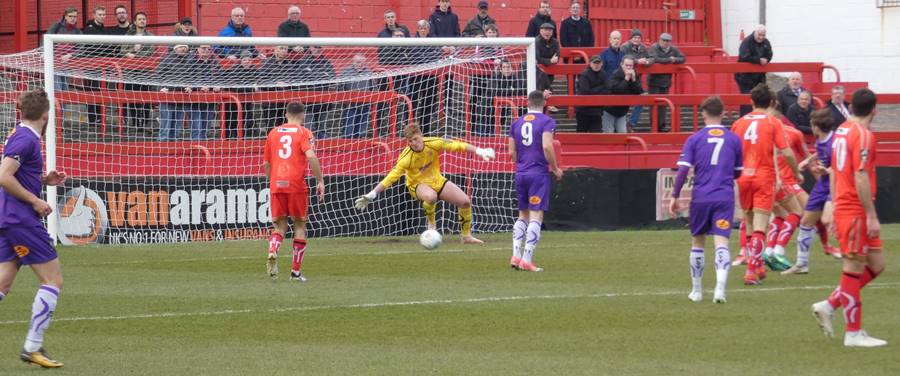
108	102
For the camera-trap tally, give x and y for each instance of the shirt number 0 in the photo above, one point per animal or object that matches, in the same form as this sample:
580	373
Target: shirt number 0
285	151
840	152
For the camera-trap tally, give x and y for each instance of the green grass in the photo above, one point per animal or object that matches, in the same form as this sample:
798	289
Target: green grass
608	303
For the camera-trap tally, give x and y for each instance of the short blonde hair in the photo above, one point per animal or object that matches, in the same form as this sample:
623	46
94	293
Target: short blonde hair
411	130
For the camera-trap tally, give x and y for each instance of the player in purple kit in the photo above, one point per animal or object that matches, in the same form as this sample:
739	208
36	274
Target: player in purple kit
715	154
23	238
531	148
822	126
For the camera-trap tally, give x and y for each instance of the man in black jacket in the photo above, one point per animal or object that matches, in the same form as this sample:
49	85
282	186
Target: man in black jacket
206	74
444	23
293	28
591	82
95	26
547	51
788	95
476	26
390	24
316	67
542	17
174	67
623	82
576	31
755	49
840	109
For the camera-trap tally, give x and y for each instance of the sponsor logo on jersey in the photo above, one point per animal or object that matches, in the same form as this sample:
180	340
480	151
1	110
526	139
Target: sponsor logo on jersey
528	117
842	131
282	184
534	200
723	224
21	251
716	132
287	130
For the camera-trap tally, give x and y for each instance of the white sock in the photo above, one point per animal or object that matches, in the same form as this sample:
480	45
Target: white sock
697	261
778	250
518	237
723	263
768	252
2	295
41	312
804	241
532	237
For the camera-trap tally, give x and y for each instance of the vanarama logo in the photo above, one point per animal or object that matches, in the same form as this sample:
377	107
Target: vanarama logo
82	217
716	132
723	224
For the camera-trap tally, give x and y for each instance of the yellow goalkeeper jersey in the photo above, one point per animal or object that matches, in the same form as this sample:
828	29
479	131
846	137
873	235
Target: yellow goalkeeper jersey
423	167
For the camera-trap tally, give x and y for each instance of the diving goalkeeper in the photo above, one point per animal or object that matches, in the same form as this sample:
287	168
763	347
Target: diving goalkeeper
420	162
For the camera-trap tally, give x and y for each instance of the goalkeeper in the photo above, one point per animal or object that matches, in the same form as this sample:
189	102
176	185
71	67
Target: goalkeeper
420	162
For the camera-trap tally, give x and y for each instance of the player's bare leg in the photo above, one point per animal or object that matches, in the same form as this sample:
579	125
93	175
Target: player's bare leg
50	276
824	230
298	249
454	195
8	271
429	202
280	228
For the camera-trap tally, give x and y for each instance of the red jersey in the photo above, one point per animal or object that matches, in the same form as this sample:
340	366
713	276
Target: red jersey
798	146
286	148
761	134
853	149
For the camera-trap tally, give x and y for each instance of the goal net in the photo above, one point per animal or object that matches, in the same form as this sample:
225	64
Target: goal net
162	137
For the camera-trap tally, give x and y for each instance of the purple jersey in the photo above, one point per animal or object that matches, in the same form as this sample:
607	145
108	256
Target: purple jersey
715	154
23	145
823	151
528	133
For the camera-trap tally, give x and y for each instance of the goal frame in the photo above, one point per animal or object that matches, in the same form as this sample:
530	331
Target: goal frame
50	40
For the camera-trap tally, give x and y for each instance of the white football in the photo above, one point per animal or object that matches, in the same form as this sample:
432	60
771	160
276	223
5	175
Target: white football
430	239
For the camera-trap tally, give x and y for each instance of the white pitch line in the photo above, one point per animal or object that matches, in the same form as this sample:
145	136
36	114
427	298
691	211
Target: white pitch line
428	302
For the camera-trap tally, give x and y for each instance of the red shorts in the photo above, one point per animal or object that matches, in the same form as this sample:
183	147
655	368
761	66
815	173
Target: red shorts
787	190
289	204
853	236
756	194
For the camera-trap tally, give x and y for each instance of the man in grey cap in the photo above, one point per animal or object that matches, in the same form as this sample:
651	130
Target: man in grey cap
476	25
591	82
547	53
663	52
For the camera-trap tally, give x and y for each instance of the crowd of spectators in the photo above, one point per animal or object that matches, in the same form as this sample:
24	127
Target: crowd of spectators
612	72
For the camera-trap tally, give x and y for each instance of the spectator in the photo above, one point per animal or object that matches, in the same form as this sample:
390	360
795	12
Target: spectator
576	31
174	67
123	24
395	55
244	78
547	53
94	27
542	17
390	24
67	25
800	112
315	67
137	115
635	47
663	52
612	55
237	27
623	82
356	115
425	54
423	87
444	23
207	74
755	49
185	28
591	82
293	28
840	109
478	24
505	83
788	95
276	73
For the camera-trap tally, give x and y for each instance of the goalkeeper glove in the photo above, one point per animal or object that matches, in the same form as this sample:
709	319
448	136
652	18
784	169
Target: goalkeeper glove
365	199
486	153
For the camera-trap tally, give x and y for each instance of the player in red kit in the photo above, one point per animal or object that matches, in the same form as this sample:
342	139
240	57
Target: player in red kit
858	229
761	135
288	151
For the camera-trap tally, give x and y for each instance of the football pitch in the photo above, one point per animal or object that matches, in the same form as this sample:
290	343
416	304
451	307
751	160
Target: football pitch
608	303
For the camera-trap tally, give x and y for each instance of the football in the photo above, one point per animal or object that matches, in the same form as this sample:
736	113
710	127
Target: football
430	239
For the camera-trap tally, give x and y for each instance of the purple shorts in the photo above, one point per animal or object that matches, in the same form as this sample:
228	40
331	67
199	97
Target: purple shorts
533	191
711	218
28	245
818	196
